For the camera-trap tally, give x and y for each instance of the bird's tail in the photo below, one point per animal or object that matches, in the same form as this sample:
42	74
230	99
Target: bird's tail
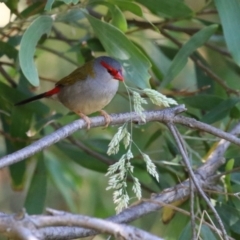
42	95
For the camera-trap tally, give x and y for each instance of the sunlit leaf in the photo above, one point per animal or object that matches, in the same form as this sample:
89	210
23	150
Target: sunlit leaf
128	6
229	167
118	19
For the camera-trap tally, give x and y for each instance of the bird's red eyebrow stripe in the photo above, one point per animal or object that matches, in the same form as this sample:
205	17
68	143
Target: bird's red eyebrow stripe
105	65
108	67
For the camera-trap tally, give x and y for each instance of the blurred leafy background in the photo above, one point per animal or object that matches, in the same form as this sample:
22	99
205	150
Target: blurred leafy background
188	50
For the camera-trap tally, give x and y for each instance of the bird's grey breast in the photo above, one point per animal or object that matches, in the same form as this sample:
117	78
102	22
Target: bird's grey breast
88	96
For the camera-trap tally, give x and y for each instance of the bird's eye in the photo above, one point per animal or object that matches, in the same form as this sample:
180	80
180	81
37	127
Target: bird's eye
111	71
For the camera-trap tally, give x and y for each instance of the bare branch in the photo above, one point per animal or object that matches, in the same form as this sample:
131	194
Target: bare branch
67	130
204	177
165	116
196	181
29	227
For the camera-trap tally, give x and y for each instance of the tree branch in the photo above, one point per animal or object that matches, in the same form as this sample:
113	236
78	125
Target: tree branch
165	116
205	174
193	177
23	226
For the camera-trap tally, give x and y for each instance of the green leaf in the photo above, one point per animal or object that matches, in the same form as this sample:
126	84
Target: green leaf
206	233
9	96
72	15
36	195
128	6
17	171
235	113
180	60
229	214
235	226
158	60
42	123
49	4
40	26
21	119
118	18
8	50
186	233
204	80
230	20
32	9
95	45
204	101
153	137
116	44
220	111
166	8
82	158
20	122
178	227
229	167
12	5
64	177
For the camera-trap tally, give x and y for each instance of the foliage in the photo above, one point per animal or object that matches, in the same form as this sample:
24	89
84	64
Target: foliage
187	50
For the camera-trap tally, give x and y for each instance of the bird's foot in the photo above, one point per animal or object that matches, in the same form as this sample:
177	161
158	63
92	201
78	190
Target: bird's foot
107	118
86	119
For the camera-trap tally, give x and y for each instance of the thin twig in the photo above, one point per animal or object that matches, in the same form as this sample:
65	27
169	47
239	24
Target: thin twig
206	69
7	63
58	54
13	139
178	140
216	48
7	77
191	186
192	213
62	37
180	210
165	115
214	76
194	124
173	194
47	79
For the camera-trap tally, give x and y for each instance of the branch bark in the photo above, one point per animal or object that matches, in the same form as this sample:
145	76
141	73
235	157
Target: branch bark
204	176
164	116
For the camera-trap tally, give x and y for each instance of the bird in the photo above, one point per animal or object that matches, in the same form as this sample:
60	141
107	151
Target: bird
87	89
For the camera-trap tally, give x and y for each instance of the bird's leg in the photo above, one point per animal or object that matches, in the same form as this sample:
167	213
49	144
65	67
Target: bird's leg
106	116
85	118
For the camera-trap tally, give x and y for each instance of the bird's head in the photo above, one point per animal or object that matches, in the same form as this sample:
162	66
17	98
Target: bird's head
111	67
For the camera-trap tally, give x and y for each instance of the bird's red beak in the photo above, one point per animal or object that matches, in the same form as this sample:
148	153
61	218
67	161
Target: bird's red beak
119	76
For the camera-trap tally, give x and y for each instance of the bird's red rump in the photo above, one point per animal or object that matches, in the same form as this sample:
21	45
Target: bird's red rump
53	91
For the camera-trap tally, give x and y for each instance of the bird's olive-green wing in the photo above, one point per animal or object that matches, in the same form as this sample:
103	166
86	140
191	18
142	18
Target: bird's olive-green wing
79	74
